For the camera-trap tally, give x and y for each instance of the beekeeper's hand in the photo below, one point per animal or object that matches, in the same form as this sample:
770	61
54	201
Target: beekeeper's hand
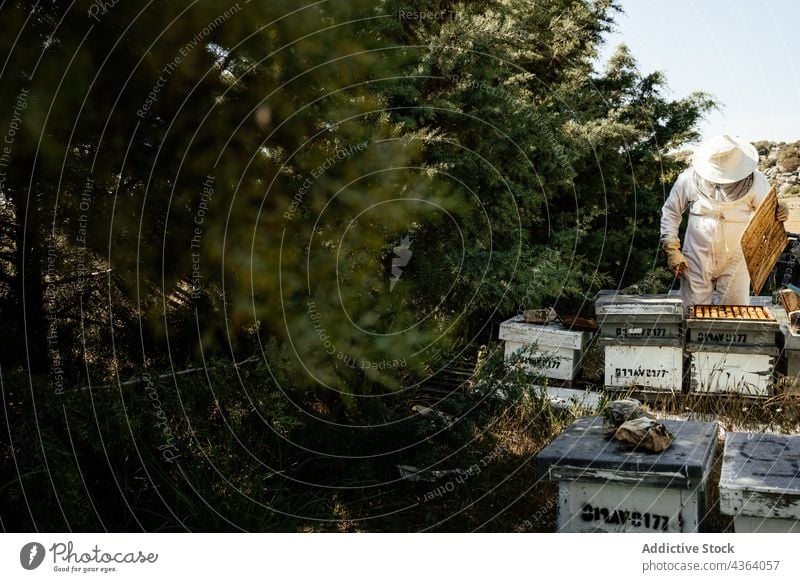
782	212
676	262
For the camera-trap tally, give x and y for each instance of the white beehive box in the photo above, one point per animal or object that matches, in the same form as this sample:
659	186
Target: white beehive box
748	372
559	350
639	316
760	482
656	365
643	340
605	486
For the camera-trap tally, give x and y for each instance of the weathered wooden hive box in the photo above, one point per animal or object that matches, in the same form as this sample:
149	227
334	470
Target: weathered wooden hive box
604	486
791	338
733	348
558	353
642	336
760	482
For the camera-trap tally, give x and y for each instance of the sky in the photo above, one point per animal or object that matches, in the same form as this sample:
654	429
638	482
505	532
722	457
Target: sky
746	53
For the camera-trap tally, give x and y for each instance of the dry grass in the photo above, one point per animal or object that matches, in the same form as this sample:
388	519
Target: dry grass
776	414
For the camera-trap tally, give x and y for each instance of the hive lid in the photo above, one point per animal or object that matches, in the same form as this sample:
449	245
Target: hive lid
764	463
550	334
583	446
611	303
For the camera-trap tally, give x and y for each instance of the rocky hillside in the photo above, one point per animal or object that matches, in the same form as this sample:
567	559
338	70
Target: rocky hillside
781	163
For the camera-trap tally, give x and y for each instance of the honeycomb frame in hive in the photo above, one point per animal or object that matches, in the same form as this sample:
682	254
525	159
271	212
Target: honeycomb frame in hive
732	312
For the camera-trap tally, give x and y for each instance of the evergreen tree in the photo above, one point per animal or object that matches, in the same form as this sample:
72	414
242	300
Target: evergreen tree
564	166
259	165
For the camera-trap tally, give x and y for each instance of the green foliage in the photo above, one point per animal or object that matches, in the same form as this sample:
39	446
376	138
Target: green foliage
224	449
212	171
268	188
563	166
150	454
304	210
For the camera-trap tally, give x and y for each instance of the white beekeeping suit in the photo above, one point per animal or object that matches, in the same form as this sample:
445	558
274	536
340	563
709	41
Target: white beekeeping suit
722	189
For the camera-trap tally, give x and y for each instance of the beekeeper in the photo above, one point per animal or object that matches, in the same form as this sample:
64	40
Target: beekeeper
721	189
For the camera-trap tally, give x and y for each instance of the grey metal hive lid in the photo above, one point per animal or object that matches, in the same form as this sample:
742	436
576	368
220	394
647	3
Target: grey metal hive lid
758	462
583	445
792	339
612	303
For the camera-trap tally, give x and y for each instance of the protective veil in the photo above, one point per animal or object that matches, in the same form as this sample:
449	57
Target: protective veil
718	216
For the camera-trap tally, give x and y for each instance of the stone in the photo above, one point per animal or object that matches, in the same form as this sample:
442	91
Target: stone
540	316
644	434
619	411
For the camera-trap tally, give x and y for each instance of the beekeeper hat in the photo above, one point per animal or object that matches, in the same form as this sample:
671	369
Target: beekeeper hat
723	159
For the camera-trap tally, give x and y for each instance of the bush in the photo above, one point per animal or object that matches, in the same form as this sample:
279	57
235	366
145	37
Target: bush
152	454
789	157
762	147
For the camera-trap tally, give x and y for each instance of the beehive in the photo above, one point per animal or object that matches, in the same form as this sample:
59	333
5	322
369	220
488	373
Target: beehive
558	353
733	348
791	338
605	486
642	337
760	482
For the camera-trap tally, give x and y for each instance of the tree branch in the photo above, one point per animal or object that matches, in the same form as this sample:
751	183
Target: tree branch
139	379
69	280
